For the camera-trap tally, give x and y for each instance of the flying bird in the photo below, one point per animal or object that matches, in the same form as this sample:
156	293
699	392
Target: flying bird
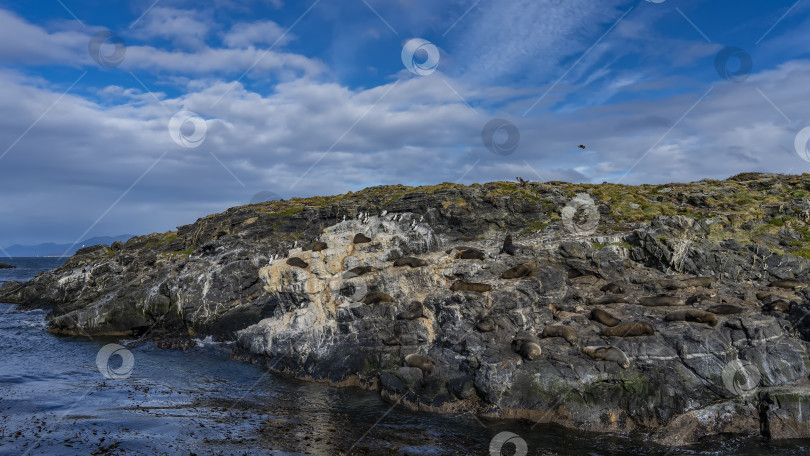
582	146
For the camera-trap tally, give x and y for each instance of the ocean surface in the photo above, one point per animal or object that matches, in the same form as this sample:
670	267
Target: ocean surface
55	399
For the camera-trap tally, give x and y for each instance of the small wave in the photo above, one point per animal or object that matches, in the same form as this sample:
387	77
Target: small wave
208	341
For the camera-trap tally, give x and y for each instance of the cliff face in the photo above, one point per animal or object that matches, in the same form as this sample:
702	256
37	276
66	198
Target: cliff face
719	345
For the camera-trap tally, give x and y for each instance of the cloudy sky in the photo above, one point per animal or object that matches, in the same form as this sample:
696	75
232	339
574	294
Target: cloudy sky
138	116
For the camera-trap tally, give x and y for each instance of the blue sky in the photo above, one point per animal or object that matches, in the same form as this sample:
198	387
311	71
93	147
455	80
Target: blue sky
314	97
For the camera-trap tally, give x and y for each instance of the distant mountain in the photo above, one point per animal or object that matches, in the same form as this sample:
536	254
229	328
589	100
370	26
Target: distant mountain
51	249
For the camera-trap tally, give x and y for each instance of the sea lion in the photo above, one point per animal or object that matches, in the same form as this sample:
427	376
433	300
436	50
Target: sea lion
471	254
603	317
700	297
415	310
661	300
487	324
360	238
410	261
788	284
607	299
508	247
376	297
520	271
529	350
425	364
779	293
612	288
725	309
674	284
521	337
461	285
357	272
458	247
391	339
526	345
693	316
778	306
630	329
608	354
566	332
297	262
316	246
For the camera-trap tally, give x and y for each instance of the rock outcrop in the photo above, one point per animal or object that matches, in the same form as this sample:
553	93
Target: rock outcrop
381	295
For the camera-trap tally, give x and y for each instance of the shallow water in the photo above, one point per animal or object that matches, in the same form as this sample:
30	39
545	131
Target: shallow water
54	399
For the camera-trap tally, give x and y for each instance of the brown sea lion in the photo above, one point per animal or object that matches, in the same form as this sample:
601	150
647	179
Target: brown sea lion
607	299
392	339
603	317
693	316
529	350
520	271
461	285
410	261
778	306
630	329
458	247
360	238
415	310
425	364
700	297
788	284
487	324
674	284
612	288
566	332
661	300
357	272
471	254
608	354
725	309
297	262
508	247
316	246
778	293
376	297
526	345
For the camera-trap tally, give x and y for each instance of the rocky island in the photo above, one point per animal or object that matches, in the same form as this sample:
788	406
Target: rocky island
6	266
670	312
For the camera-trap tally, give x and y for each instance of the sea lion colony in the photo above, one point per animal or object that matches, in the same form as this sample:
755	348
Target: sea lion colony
776	298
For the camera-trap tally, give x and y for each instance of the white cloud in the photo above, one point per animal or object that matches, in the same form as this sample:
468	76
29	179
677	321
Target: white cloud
184	28
256	33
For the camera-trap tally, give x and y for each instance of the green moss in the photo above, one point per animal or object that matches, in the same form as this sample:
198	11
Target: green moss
534	227
290	211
